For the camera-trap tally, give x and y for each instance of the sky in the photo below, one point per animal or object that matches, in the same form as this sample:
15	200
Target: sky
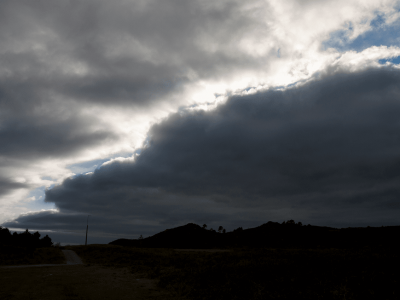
148	115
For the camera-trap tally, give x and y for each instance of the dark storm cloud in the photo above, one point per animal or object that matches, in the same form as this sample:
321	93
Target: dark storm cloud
7	185
27	138
35	137
327	153
35	123
67	66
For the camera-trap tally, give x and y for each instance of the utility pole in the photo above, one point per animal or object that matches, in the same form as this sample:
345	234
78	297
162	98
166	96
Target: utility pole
87	227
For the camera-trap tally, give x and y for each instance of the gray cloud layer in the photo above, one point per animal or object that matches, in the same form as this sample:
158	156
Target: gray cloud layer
29	137
79	77
7	185
131	52
323	153
64	64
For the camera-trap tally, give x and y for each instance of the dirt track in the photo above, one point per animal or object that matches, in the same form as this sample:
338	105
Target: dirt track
72	258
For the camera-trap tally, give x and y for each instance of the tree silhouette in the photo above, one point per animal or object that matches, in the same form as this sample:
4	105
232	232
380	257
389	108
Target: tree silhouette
220	228
46	241
204	226
24	240
289	222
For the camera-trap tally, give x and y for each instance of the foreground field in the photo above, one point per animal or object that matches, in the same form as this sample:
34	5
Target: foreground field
259	273
11	256
77	282
115	272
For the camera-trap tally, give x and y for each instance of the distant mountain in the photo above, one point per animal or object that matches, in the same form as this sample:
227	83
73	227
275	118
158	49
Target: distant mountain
187	236
272	234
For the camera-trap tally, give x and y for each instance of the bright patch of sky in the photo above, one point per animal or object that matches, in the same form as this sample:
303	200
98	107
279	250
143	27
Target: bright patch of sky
35	200
395	60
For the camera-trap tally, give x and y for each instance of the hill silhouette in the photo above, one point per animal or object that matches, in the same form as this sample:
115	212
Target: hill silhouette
272	234
187	236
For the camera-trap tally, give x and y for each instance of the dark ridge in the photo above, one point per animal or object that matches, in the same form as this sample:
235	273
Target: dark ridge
182	237
272	234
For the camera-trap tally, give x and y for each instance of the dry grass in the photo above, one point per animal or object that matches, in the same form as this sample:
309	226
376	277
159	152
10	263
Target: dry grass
77	282
261	273
111	272
10	255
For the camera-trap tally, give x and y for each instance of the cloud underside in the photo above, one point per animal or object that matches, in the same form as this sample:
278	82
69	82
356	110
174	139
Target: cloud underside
326	152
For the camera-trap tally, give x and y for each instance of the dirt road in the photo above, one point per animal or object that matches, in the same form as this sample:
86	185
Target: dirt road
72	258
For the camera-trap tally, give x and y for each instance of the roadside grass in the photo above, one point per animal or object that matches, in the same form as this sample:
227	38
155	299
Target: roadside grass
260	273
77	282
13	255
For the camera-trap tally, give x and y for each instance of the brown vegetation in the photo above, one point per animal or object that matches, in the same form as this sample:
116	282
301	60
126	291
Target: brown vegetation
260	273
76	283
13	255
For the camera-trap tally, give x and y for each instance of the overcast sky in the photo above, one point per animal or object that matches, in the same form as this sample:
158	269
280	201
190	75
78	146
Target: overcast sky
153	114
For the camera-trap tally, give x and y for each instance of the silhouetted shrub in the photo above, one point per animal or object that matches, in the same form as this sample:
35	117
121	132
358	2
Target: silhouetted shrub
238	229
